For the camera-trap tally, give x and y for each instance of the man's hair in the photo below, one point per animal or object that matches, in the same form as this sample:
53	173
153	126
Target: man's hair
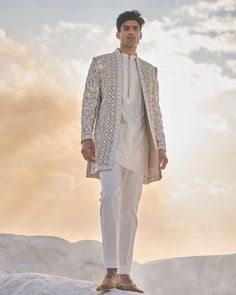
129	15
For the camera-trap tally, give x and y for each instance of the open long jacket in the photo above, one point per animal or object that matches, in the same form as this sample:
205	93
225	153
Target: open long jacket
101	112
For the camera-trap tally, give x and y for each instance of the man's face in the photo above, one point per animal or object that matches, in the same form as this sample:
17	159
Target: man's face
130	34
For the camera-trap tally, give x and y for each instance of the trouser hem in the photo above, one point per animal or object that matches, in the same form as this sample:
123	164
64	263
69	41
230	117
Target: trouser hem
124	269
111	263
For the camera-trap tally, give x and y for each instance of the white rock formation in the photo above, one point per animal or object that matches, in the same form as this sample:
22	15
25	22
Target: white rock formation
44	265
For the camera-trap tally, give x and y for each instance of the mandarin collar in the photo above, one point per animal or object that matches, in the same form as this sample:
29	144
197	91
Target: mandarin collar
133	56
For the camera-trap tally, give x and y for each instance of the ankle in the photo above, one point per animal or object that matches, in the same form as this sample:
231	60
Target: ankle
111	272
124	275
125	279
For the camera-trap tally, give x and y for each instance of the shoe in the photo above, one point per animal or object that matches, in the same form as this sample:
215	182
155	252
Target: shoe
128	287
107	284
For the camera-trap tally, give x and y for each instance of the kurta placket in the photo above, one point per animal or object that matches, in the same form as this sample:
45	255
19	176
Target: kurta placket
132	148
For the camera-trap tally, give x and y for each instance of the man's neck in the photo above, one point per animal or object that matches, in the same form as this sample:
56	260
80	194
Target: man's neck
129	51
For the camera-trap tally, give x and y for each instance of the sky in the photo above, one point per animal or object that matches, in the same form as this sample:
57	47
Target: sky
45	50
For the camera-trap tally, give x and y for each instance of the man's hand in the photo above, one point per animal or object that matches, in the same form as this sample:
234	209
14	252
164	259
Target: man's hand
88	150
163	158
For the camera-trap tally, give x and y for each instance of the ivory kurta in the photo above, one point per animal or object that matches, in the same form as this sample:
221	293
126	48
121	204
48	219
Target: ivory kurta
102	104
132	148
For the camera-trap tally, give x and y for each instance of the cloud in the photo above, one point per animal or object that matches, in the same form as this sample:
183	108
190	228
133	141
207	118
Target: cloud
41	166
2	33
185	39
11	50
202	197
216	24
175	51
63	25
202	9
79	37
207	25
215	122
38	111
70	46
231	63
201	186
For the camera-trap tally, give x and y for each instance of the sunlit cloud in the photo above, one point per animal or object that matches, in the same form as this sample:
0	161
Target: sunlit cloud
40	144
215	122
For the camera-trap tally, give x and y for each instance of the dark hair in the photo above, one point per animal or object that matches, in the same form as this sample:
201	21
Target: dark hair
129	15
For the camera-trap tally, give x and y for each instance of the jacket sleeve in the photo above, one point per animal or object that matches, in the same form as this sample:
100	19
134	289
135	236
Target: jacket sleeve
161	142
91	100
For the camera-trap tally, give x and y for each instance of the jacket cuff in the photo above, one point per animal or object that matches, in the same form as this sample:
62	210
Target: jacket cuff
88	136
161	147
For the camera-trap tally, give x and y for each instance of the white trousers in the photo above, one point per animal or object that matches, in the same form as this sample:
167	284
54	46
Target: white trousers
121	191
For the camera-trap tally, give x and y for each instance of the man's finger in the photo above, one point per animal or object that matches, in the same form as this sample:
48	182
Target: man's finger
163	163
91	154
85	153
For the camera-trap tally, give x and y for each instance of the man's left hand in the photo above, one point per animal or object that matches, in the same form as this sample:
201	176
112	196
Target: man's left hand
163	158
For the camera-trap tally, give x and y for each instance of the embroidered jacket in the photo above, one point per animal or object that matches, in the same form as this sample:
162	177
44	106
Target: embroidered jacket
101	112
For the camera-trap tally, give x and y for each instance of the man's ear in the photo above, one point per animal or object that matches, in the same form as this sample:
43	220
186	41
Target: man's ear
118	35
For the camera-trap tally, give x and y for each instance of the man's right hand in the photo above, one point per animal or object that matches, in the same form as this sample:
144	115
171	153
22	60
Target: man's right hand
88	150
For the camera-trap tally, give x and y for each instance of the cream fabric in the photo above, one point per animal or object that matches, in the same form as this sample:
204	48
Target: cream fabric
132	148
121	191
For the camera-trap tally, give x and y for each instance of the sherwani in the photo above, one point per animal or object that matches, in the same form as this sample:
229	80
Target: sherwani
102	105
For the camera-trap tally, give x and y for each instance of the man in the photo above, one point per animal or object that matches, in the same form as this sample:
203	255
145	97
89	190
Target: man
128	146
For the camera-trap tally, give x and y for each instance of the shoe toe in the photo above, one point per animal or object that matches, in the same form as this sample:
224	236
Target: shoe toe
128	287
99	288
107	284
